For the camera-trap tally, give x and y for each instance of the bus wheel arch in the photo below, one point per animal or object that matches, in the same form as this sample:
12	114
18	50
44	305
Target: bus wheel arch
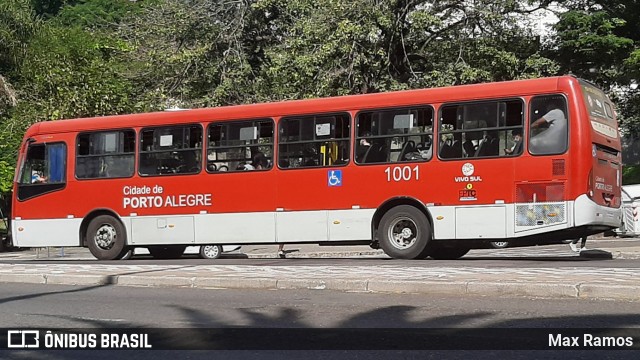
104	234
403	228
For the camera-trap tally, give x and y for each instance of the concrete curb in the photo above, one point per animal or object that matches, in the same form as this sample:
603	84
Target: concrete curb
24	278
312	255
613	292
459	288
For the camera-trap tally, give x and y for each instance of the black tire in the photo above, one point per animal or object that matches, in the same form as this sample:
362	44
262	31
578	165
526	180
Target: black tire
404	232
447	252
106	238
167	252
210	251
499	244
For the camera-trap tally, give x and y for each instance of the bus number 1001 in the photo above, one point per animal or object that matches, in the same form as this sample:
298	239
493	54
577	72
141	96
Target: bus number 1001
402	173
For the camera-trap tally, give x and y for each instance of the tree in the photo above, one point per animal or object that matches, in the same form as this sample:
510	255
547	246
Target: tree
599	41
335	47
18	25
57	72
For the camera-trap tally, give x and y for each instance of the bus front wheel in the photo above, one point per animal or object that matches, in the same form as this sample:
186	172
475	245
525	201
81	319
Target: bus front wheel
404	232
106	238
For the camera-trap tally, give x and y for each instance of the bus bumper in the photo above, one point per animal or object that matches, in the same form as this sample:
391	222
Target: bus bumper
588	213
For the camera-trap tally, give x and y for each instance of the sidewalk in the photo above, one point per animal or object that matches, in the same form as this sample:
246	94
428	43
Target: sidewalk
596	282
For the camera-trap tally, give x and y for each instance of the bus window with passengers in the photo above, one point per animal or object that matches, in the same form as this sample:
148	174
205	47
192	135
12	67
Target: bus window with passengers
232	146
481	129
394	135
419	173
314	141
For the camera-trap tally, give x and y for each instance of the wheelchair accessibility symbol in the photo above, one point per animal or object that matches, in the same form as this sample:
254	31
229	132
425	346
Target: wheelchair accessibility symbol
335	177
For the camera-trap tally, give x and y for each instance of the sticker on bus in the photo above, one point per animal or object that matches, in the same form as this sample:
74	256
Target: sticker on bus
334	177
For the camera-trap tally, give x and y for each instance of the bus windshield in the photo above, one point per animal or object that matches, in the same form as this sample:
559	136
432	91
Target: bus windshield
44	163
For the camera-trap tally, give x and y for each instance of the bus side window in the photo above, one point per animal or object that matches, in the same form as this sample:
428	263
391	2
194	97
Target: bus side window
549	128
394	135
105	154
314	141
170	150
480	129
240	145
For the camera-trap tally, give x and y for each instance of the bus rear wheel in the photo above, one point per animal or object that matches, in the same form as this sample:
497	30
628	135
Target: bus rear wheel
404	232
167	252
106	238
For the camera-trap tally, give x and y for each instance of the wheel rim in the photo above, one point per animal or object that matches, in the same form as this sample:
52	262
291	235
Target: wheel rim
500	243
105	237
403	233
211	251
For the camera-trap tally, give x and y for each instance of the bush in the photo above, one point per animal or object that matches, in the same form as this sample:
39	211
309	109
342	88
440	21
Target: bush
631	174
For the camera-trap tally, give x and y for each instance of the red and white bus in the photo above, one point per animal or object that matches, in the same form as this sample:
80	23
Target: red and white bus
419	173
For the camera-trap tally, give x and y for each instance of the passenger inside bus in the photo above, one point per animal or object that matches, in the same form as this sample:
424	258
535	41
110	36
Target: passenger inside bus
517	143
489	146
451	146
259	162
469	148
363	146
38	178
552	137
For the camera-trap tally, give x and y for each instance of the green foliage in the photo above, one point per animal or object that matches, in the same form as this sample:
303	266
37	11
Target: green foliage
335	47
48	8
97	13
599	40
587	45
68	76
6	176
17	26
631	174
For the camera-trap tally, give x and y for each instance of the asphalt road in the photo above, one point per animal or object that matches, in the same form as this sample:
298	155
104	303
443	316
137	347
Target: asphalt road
103	307
28	305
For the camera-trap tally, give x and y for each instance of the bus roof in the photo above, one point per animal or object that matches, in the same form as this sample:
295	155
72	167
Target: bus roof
317	105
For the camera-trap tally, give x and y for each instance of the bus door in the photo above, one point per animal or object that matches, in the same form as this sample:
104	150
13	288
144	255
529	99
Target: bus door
312	153
541	179
484	140
241	178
